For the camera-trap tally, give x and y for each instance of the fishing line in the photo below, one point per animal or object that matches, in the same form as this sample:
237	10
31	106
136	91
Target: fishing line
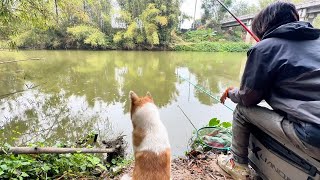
197	134
205	91
188	118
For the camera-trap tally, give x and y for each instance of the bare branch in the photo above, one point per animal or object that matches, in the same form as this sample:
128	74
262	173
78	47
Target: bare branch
31	59
53	150
9	94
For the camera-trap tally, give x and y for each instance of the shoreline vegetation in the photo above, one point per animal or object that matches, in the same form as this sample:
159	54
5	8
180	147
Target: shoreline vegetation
198	163
122	25
195	165
195	47
98	25
201	40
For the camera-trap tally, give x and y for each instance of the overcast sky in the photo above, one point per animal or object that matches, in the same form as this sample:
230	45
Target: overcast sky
188	8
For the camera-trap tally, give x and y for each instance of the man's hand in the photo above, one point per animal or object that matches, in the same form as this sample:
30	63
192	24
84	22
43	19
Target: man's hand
225	95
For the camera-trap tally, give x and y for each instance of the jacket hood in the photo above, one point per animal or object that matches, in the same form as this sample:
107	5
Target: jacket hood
294	31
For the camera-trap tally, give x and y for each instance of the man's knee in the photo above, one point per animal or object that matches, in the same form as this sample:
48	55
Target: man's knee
239	114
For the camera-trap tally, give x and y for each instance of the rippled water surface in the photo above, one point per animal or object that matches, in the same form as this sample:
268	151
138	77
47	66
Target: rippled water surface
67	94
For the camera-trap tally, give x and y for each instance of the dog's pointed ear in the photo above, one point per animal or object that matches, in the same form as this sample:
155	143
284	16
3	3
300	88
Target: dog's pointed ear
149	95
133	96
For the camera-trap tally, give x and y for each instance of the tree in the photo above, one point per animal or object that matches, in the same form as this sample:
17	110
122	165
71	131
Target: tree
264	3
87	35
213	10
240	8
316	22
55	23
30	13
134	7
298	1
153	26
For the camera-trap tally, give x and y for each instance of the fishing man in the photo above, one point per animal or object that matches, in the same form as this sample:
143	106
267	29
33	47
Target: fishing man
284	70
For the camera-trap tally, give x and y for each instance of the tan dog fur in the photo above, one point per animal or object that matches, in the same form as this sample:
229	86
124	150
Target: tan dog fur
150	140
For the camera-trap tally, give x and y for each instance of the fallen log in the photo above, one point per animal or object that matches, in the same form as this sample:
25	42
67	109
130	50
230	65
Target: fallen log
53	150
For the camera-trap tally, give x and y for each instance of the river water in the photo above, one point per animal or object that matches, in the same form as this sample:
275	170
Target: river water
68	94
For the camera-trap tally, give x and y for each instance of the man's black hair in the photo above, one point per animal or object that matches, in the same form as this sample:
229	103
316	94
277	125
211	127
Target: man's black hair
273	16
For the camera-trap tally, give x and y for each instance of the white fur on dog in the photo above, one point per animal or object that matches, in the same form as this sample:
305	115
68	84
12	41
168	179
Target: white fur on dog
156	140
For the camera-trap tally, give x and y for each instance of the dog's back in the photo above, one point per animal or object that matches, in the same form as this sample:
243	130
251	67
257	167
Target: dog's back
150	140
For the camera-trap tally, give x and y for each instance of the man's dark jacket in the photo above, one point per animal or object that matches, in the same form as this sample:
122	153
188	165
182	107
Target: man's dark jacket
284	70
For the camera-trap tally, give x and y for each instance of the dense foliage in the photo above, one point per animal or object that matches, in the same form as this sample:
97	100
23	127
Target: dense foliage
98	24
119	24
214	47
208	40
83	36
66	166
88	24
210	35
149	23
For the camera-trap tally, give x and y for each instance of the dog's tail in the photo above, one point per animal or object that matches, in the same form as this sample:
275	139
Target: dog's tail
126	177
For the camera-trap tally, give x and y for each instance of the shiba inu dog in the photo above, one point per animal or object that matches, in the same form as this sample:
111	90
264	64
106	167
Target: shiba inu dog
150	141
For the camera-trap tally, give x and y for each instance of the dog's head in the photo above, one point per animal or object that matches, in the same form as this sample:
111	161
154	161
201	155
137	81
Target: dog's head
138	102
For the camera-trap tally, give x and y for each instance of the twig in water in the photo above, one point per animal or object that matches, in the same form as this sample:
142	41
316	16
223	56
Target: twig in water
187	118
19	91
31	59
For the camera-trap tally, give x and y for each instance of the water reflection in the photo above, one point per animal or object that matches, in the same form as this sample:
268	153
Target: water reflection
37	116
81	91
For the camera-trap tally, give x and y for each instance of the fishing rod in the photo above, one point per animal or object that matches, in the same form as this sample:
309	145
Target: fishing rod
204	91
239	21
247	29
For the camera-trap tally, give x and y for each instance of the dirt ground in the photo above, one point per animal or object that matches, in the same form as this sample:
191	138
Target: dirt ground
202	166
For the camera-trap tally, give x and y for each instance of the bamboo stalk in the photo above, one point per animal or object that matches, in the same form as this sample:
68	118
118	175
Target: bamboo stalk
53	150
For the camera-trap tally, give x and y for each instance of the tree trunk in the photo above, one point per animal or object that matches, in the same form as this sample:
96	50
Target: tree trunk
56	6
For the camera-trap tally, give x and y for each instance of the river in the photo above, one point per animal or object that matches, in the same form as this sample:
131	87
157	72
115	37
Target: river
67	94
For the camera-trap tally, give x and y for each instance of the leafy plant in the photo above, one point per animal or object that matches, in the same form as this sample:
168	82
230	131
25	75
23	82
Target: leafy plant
116	165
49	166
33	38
214	122
91	36
201	35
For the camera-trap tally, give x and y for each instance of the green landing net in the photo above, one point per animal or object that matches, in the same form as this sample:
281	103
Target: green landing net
218	138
